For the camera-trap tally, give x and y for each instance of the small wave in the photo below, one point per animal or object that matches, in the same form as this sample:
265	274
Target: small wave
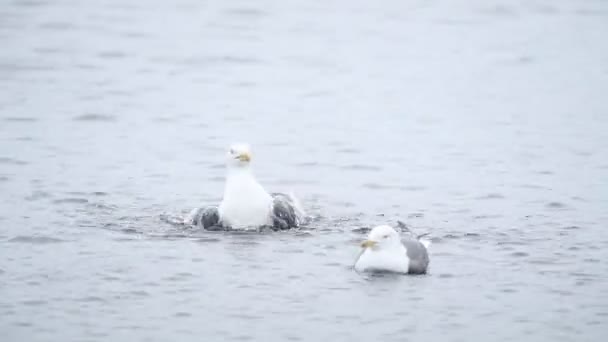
70	200
37	195
35	239
34	302
348	150
12	161
95	117
20	119
361	167
493	195
246	12
556	205
112	54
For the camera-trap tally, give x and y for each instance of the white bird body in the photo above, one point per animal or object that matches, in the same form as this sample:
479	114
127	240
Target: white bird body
385	252
391	259
245	202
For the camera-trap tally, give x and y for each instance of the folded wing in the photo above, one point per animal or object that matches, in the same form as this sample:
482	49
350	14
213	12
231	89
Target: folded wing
286	211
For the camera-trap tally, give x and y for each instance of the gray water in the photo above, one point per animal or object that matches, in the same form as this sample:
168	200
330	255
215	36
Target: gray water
483	123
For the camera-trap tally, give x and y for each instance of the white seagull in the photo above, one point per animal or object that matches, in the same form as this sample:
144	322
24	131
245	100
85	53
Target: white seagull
384	251
245	203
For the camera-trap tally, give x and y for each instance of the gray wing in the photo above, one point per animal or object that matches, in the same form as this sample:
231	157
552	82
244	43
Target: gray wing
208	218
284	213
418	255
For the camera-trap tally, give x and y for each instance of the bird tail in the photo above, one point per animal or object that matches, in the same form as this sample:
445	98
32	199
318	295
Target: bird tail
424	240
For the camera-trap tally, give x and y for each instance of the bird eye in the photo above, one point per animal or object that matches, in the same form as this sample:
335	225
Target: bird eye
231	151
385	236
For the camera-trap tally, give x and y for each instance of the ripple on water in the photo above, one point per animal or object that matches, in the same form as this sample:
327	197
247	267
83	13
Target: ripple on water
20	119
513	243
556	205
111	54
72	200
244	243
37	195
12	161
130	231
508	290
35	239
415	215
91	299
246	12
95	117
207	240
361	230
34	302
23	324
220	60
377	186
491	196
348	150
30	3
182	314
56	26
307	164
24	139
138	293
361	167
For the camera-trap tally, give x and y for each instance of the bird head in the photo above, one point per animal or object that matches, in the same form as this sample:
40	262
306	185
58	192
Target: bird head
380	237
239	155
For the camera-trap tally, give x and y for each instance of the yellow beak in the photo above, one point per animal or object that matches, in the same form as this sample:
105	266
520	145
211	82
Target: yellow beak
244	157
368	244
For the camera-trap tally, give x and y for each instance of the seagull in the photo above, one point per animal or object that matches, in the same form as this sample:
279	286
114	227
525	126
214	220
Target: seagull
246	204
384	251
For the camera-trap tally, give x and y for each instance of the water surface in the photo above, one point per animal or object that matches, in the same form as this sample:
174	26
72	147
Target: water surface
481	122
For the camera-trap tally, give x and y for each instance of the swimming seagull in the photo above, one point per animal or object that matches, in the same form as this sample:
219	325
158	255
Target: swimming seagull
246	204
383	251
